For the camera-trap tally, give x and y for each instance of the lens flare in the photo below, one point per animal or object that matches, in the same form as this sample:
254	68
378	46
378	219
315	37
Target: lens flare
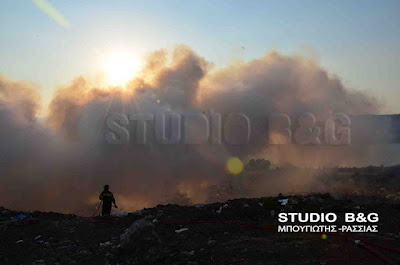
234	165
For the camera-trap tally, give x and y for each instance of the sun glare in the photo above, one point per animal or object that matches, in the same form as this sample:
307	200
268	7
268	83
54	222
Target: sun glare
121	67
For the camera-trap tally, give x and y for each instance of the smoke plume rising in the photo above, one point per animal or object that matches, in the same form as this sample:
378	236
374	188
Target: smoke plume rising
61	162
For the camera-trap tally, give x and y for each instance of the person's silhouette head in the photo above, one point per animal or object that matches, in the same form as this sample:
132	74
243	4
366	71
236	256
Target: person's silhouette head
106	187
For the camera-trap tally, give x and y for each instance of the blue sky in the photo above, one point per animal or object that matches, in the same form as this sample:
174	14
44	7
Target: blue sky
357	40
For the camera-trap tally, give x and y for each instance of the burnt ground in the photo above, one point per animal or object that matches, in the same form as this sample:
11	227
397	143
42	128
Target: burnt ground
69	239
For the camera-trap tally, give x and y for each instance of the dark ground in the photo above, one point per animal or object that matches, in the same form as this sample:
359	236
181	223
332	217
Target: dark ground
69	239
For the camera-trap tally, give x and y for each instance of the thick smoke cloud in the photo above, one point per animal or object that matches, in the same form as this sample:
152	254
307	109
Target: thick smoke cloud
292	85
61	162
277	83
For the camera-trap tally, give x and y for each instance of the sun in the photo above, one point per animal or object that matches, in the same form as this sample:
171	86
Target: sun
120	67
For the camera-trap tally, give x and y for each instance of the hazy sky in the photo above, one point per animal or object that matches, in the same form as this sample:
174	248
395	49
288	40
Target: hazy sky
357	40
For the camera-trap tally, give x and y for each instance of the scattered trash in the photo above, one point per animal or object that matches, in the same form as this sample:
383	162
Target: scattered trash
160	238
246	205
283	201
21	216
120	214
149	217
198	206
211	242
136	231
105	244
181	230
188	253
67	247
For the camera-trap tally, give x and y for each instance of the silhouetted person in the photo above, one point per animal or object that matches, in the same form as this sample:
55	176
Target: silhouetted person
108	199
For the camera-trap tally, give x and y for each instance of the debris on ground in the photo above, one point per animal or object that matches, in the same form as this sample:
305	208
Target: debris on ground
105	244
181	237
20	217
283	201
181	230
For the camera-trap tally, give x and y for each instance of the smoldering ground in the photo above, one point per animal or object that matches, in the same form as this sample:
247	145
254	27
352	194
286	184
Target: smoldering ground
61	162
